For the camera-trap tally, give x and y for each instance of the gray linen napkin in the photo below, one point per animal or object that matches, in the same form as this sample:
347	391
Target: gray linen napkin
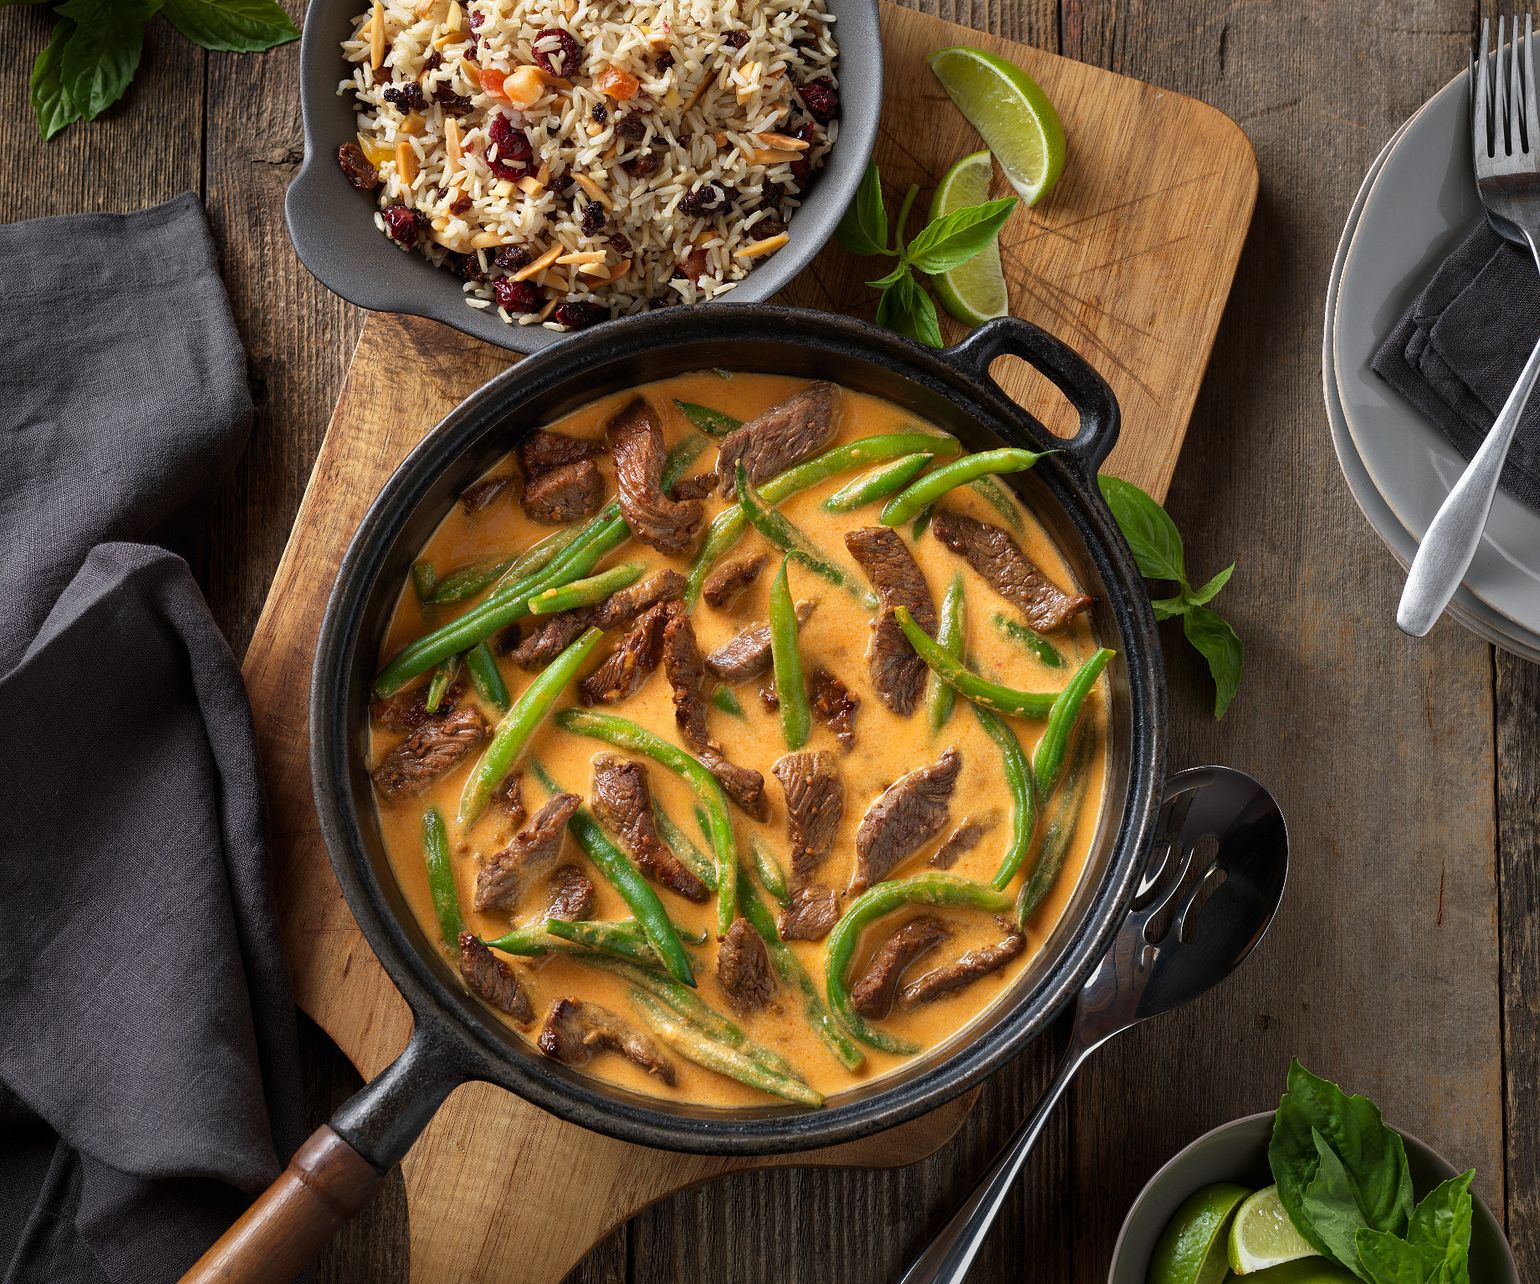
148	1066
1458	350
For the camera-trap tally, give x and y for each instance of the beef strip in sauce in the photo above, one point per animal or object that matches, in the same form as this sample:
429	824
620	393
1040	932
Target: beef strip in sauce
907	815
555	633
873	995
746	655
997	557
542	451
622	800
575	1029
951	977
493	979
960	842
743	968
811	915
697	487
572	895
504	875
898	674
815	804
835	705
435	748
408	710
786	434
508	798
631	663
480	496
565	494
636	442
724	584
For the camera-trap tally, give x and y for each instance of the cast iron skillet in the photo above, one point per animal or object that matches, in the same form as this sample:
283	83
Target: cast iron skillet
455	1037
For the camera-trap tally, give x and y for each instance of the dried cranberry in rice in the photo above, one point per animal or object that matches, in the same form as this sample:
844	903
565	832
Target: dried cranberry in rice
632	128
767	227
400	224
517	297
735	39
466	266
593	218
821	99
600	113
510	258
514	152
356	167
802	169
665	61
551	42
694	265
620	243
407	97
579	315
702	199
432	62
642	165
476	20
455	104
460	204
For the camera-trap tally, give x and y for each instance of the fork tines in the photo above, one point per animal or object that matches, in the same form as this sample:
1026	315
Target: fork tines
1503	101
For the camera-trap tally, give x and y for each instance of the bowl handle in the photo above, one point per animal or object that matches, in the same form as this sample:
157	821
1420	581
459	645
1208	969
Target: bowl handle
1062	366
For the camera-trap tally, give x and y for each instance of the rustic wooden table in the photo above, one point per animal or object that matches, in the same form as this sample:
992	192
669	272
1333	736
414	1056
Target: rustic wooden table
1405	961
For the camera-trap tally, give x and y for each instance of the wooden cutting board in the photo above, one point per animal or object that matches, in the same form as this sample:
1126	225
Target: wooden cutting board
1130	261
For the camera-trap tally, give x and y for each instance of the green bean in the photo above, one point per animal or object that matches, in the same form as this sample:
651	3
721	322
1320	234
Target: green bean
584	592
624	939
724	699
468	580
728	526
931	487
487	680
715	422
438	685
1018	779
773	525
877	483
1034	641
1048	758
771	876
424	581
519	724
625	734
786	665
922	523
441	878
951	635
694	1046
528	941
537	556
957	675
1059	831
681	845
794	976
995	496
867	908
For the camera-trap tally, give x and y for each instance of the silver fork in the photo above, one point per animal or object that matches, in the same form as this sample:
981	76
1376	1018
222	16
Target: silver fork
1505	137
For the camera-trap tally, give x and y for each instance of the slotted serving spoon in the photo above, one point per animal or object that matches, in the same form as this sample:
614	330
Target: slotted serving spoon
1212	883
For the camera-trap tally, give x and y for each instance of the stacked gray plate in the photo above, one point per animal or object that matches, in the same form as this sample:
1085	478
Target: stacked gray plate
1416	204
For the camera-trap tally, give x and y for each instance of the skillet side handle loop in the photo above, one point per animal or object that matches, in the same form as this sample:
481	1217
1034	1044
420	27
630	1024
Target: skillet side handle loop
1063	367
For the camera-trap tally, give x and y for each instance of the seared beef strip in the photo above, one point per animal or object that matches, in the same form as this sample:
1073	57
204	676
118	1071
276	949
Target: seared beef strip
992	552
625	605
572	895
960	842
815	804
907	815
555	633
481	495
542	451
534	849
550	637
575	1029
784	435
636	443
408	710
723	585
812	914
622	800
564	494
427	753
873	995
493	979
631	663
697	487
943	980
687	674
835	705
747	655
898	674
508	798
743	968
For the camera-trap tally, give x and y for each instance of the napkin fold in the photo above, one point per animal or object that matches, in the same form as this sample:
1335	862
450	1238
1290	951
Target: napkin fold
148	1064
1459	349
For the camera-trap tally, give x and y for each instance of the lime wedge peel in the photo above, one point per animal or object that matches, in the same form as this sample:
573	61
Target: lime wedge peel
974	292
1191	1249
1011	113
1262	1235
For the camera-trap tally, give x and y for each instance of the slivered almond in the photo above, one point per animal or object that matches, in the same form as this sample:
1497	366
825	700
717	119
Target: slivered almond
530	185
594	269
486	240
472	71
377	152
543	174
377	37
539	265
762	156
784	142
594	191
455	242
440	222
549	308
719	138
406	163
424	8
523	87
452	141
700	90
503	188
570	8
620	270
413	124
754	249
594	129
452	20
582	256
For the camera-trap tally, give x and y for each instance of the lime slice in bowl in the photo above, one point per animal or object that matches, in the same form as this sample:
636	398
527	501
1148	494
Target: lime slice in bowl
1262	1235
1011	113
1307	1270
1191	1249
974	292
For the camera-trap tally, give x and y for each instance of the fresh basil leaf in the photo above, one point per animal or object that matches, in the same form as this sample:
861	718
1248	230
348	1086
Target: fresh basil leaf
1148	528
1372	1155
950	241
238	26
1207	592
50	103
907	310
1167	608
882	282
1217	643
864	228
102	53
1440	1228
1332	1205
1383	1258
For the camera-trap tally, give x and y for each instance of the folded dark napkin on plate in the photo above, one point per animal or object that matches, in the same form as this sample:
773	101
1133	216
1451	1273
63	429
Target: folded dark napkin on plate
1458	351
148	1067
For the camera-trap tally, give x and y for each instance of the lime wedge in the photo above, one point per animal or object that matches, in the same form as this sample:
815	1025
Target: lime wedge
1191	1249
1011	113
975	291
1307	1270
1262	1235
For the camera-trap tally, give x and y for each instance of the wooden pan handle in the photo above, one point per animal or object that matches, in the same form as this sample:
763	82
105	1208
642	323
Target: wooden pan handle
325	1184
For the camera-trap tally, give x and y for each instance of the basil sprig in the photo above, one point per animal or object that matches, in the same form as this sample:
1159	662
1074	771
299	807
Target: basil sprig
1344	1181
94	52
941	245
1157	547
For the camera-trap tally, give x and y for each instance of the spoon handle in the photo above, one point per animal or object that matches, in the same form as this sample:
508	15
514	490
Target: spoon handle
947	1257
